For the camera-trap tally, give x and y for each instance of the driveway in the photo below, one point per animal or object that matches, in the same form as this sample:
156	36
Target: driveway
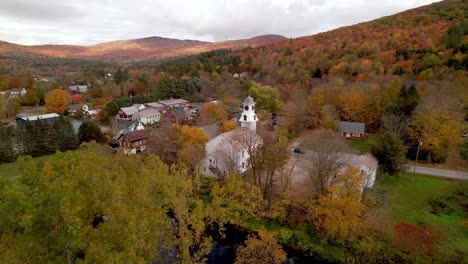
440	173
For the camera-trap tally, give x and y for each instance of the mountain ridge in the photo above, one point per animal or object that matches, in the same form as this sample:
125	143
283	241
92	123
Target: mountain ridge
133	49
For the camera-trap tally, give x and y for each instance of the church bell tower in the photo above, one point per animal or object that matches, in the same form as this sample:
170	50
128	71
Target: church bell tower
249	117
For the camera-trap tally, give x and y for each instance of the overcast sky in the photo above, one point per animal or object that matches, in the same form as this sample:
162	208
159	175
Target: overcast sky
88	22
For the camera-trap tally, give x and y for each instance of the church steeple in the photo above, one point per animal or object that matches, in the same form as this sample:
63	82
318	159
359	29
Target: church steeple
249	117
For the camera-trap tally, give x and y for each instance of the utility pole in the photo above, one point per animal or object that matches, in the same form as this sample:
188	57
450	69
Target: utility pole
416	160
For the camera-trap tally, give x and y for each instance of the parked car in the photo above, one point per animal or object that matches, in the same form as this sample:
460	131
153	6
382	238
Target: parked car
298	151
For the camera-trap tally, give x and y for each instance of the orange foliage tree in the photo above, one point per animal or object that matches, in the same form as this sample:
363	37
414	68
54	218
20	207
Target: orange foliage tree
57	101
191	144
227	126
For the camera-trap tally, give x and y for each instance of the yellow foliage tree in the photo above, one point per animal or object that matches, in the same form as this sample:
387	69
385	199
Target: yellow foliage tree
227	126
261	248
57	101
214	112
339	212
436	129
191	142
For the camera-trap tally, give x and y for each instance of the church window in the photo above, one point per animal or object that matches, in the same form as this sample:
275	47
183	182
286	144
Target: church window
243	153
245	117
253	107
243	165
246	108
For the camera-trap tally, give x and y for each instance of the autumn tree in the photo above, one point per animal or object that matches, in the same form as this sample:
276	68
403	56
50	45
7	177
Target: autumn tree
339	212
31	98
296	110
213	113
328	155
12	107
57	101
88	206
227	126
191	144
266	97
329	118
436	127
260	248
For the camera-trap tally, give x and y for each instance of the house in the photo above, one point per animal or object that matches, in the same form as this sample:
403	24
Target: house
94	113
178	115
171	103
211	130
48	119
126	113
157	106
16	92
125	126
133	142
352	129
148	116
78	88
229	152
367	165
79	109
139	107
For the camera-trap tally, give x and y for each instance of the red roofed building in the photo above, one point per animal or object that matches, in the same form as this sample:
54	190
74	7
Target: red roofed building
77	98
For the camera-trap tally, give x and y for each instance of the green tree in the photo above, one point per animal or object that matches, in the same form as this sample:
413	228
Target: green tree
266	97
390	152
66	137
90	131
464	149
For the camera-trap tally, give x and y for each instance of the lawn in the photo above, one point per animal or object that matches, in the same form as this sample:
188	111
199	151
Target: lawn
362	145
407	200
11	169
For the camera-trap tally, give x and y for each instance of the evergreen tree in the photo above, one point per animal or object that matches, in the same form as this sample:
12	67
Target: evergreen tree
66	138
390	152
7	153
90	131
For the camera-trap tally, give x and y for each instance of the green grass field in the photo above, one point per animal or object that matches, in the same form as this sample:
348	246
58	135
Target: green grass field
362	145
407	200
11	169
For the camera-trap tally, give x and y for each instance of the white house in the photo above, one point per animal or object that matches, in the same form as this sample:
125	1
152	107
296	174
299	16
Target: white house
229	152
78	88
126	113
148	116
16	92
73	109
367	164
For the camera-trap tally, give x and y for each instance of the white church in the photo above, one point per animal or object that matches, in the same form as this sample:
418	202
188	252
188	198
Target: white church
229	152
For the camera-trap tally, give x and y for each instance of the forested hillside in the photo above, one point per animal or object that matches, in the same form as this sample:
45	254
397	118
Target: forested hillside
364	72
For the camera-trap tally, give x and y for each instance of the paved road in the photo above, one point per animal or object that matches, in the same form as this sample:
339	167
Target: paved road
448	174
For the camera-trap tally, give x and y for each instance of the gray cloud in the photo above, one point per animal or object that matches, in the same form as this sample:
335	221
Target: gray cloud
88	22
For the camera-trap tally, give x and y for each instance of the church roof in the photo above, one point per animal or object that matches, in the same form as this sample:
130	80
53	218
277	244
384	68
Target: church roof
248	101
